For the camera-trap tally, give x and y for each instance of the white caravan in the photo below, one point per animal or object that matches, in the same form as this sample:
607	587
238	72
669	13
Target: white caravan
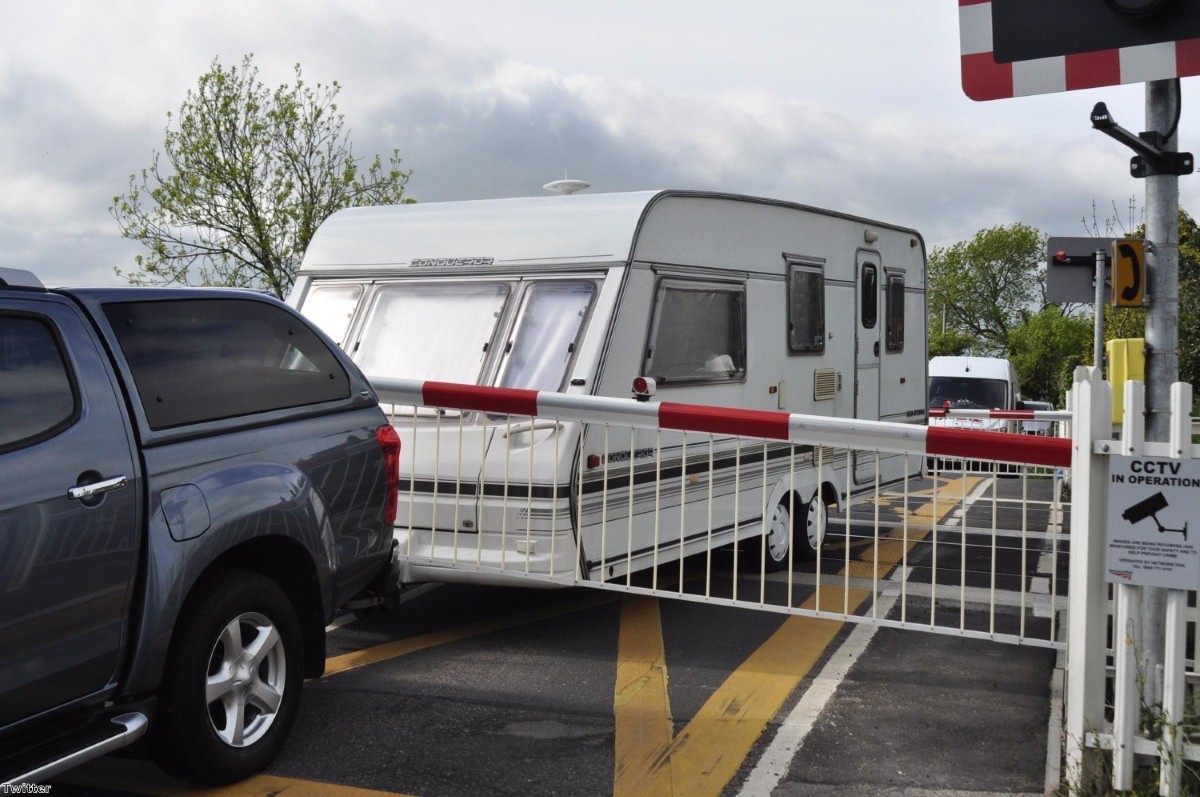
974	383
723	300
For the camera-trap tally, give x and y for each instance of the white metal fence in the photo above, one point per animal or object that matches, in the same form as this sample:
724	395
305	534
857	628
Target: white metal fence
727	506
1131	690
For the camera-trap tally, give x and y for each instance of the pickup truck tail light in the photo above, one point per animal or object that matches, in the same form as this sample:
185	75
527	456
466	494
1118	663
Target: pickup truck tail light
389	443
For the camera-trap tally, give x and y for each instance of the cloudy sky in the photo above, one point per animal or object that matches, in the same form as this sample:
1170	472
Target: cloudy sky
853	105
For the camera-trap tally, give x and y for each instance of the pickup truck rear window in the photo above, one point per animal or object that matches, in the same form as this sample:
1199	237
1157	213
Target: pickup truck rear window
37	396
196	360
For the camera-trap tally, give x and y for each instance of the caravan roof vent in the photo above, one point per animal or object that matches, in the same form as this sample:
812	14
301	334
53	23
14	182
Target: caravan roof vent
566	186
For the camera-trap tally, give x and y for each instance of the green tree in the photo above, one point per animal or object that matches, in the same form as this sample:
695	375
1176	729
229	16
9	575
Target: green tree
1045	348
981	290
244	178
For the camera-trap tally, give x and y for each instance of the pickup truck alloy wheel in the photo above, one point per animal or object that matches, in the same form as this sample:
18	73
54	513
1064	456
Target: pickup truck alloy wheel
247	674
232	680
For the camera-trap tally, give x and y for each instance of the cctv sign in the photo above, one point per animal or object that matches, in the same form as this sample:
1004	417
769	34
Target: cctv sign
1149	502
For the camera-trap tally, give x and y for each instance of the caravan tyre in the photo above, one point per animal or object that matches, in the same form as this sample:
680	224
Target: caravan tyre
812	532
793	523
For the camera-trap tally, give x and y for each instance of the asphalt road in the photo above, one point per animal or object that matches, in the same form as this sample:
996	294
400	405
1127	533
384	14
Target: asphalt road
468	690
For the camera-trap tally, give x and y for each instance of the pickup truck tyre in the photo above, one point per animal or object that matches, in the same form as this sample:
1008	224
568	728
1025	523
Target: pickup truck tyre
232	680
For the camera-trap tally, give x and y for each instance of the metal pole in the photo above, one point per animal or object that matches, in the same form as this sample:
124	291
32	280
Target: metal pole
1098	326
1162	334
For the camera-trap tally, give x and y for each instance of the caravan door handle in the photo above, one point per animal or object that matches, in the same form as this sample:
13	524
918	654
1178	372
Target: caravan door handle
876	348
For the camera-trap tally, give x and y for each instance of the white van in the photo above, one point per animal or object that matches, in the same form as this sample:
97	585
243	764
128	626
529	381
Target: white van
720	299
974	383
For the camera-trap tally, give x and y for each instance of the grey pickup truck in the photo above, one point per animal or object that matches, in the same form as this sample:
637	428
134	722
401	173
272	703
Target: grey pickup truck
192	482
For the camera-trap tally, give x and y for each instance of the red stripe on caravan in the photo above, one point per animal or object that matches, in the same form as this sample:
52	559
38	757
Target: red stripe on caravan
500	400
973	444
721	420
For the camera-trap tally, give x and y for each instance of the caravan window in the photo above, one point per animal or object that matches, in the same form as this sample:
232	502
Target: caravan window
870	296
547	329
894	311
431	331
698	333
331	307
806	308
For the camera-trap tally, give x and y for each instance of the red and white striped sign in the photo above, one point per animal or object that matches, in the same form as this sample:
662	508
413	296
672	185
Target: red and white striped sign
905	438
985	79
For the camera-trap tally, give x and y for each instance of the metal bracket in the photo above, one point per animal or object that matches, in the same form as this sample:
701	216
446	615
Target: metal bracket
1151	158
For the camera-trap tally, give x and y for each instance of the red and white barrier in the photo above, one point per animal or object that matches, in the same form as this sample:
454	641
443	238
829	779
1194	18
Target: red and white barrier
903	438
1002	415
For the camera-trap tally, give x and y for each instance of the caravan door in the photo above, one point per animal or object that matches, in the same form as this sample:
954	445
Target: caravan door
524	506
867	353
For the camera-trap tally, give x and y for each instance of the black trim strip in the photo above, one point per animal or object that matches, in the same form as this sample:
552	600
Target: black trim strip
668	545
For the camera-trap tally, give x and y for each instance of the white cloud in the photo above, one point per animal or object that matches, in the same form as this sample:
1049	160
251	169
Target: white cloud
854	106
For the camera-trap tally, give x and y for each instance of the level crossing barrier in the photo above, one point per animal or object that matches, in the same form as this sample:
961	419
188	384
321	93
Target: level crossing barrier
817	516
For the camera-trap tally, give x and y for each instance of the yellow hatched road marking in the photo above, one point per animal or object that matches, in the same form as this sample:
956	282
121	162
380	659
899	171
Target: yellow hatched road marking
402	647
711	748
644	726
131	776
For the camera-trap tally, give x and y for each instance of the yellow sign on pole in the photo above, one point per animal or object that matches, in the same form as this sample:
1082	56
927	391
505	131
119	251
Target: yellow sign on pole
1128	273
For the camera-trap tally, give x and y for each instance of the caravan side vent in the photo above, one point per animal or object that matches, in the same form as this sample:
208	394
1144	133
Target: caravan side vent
826	382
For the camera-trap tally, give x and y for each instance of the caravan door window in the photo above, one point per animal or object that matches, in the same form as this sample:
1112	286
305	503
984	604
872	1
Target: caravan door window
698	333
545	334
431	331
870	296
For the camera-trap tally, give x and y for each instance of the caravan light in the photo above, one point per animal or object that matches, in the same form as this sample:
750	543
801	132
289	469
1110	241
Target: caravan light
643	388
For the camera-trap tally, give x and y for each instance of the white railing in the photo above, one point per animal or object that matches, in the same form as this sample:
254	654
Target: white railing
1150	673
716	505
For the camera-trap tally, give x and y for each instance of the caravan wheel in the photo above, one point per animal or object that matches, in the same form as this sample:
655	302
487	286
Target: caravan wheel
816	521
805	528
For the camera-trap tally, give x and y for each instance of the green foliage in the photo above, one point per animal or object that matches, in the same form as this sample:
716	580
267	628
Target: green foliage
1189	300
245	177
948	342
985	288
1045	349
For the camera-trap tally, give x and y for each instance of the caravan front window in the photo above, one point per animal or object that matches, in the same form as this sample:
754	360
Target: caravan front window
331	307
547	329
434	332
698	333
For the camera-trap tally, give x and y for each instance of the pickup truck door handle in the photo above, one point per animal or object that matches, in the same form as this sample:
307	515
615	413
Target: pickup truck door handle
96	488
